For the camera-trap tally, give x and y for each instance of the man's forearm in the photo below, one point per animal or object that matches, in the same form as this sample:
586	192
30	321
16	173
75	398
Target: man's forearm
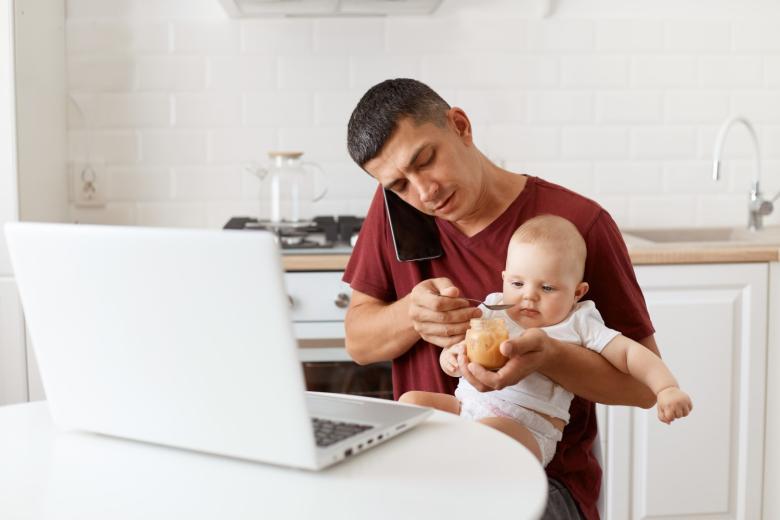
379	331
587	374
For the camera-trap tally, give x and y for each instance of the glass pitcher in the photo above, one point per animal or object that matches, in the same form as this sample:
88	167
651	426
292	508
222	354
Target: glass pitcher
294	186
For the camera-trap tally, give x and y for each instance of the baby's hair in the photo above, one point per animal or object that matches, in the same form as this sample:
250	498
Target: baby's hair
554	231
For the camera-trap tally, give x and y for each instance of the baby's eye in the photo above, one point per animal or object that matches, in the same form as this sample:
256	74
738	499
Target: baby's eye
517	284
548	288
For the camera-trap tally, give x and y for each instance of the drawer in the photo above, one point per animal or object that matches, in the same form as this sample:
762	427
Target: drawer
318	296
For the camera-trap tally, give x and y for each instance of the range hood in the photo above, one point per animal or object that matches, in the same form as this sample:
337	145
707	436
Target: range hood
259	8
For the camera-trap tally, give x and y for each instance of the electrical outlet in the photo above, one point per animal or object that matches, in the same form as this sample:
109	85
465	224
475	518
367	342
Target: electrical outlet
88	188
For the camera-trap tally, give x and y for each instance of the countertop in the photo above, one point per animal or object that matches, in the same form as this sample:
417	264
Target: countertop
645	252
763	246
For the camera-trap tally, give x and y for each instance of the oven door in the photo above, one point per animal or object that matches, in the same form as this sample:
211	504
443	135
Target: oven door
346	377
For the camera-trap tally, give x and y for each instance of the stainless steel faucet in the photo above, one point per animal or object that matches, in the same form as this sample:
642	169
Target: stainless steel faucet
758	207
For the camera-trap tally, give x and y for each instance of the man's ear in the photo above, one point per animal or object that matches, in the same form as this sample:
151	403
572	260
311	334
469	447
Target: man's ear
580	291
460	121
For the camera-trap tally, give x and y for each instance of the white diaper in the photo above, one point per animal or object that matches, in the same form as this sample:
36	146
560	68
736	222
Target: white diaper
478	405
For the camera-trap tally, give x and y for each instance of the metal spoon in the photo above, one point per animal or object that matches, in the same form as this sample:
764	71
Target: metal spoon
495	307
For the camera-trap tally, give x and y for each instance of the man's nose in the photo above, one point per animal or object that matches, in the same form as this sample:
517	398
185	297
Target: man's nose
426	190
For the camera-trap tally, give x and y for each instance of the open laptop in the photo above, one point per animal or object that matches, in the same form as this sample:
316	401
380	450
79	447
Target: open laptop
182	338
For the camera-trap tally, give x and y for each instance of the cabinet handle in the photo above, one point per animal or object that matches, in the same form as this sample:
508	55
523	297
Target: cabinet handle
292	302
342	300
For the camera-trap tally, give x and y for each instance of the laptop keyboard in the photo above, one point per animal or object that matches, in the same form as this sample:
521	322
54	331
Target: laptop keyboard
330	432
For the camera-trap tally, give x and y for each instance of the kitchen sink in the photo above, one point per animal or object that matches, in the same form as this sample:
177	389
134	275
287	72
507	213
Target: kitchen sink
768	235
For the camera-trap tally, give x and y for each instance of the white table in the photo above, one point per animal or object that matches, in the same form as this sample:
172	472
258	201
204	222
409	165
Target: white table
446	467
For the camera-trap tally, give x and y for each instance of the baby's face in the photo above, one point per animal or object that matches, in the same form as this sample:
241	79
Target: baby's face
543	282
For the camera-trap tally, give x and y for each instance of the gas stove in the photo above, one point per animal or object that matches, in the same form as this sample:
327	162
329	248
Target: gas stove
332	234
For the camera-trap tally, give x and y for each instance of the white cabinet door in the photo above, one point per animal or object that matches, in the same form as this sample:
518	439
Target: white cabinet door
8	193
772	455
32	118
13	358
711	323
13	365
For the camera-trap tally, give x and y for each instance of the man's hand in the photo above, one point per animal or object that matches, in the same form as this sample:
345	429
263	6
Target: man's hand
449	358
526	354
673	404
438	320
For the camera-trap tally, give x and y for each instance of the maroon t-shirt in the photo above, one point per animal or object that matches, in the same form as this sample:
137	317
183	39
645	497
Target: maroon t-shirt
474	265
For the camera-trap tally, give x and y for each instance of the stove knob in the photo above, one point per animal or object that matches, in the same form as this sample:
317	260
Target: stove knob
342	300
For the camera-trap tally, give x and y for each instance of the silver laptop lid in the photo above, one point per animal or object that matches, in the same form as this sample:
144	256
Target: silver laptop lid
178	337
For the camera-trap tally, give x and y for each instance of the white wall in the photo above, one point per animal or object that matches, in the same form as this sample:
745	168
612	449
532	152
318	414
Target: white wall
617	99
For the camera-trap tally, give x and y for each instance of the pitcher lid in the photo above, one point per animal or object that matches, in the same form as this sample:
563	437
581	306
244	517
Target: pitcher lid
290	154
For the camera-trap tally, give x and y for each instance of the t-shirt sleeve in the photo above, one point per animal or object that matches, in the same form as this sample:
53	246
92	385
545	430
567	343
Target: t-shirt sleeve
613	284
368	270
591	329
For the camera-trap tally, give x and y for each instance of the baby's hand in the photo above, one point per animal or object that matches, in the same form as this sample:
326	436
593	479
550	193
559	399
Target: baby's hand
448	359
673	404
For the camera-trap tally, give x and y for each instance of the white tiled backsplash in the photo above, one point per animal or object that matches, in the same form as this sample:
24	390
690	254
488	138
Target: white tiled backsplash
619	100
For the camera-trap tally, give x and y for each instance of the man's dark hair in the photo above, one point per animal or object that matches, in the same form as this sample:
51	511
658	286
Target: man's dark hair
379	110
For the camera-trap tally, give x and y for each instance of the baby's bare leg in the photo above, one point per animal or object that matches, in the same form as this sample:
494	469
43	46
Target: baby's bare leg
443	402
515	430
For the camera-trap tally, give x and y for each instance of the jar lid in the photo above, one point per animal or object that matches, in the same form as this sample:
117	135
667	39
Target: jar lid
486	322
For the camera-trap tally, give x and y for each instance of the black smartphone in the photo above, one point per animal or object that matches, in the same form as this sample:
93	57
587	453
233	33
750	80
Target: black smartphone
415	234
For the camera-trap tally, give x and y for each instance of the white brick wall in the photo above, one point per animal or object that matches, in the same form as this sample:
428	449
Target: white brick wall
567	106
174	100
595	142
630	106
207	110
205	37
171	74
629	36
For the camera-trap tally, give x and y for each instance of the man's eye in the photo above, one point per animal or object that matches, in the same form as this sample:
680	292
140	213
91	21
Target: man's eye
429	160
399	186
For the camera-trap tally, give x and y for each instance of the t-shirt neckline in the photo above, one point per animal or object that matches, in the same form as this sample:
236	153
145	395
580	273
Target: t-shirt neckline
510	212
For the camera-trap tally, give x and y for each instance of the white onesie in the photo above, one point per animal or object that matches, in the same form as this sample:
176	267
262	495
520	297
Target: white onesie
583	326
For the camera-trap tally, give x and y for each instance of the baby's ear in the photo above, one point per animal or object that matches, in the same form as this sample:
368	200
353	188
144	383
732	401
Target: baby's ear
503	275
582	288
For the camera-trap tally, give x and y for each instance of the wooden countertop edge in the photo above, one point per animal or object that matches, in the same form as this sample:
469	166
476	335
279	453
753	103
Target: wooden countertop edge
639	256
699	255
314	262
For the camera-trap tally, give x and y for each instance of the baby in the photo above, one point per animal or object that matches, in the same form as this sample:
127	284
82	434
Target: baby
543	279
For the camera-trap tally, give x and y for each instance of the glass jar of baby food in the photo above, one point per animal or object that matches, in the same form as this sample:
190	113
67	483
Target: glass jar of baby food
483	339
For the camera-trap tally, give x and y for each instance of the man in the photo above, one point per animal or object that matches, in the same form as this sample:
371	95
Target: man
413	143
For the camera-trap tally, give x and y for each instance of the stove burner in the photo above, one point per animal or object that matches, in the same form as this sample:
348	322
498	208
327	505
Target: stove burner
337	231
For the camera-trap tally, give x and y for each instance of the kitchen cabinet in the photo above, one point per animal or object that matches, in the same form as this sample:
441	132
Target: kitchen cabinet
711	323
772	455
13	364
33	185
13	357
